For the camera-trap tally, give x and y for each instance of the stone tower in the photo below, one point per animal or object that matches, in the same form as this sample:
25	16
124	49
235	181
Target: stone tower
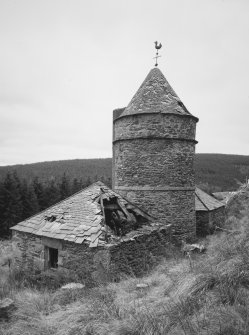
153	154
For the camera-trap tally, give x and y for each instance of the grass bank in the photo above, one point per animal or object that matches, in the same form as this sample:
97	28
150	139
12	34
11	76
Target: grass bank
206	294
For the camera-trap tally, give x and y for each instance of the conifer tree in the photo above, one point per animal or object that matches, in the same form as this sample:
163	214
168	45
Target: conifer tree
52	193
76	186
64	187
88	181
12	203
1	209
40	193
30	204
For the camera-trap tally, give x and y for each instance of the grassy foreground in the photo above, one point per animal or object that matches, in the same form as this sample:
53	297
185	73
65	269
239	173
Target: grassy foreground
206	294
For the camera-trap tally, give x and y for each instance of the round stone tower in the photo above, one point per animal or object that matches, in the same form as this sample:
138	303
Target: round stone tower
153	154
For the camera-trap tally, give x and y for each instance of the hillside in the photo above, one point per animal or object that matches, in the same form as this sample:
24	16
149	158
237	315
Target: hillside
214	172
221	172
196	295
75	168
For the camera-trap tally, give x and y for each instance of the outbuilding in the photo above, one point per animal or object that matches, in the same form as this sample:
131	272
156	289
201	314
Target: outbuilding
96	233
210	213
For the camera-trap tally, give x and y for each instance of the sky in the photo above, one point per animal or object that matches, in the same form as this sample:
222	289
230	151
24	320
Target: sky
66	64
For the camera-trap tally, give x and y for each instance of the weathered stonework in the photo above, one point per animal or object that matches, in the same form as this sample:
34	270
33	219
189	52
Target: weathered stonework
155	125
153	162
170	207
207	222
100	264
101	236
153	153
31	251
153	166
137	256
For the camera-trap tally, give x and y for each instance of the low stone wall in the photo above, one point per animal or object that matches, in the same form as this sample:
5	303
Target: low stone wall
90	264
135	257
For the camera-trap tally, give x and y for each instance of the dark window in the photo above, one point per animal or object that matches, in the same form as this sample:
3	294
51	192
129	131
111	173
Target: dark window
53	258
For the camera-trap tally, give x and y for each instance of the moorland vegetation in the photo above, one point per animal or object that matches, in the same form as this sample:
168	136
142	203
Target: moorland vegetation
197	295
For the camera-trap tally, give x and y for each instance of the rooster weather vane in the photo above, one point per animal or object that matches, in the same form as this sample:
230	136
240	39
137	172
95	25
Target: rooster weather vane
158	47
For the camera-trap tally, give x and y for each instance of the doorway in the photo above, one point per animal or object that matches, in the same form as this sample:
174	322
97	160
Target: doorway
52	258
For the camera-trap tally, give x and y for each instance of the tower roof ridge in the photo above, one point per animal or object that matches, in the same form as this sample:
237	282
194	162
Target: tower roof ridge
155	95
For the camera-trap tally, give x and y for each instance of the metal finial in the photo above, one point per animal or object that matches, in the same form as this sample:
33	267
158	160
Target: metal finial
157	46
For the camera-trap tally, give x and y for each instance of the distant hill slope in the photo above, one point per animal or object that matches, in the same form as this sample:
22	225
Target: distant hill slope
214	172
221	172
75	168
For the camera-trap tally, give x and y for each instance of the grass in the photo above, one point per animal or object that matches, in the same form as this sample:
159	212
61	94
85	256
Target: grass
207	295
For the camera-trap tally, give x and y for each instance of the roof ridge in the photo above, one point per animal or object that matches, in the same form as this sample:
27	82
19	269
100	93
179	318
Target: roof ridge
57	203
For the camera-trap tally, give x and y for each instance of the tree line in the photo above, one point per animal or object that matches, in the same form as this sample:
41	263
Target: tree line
20	199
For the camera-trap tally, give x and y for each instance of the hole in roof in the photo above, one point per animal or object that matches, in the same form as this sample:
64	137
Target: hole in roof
50	218
120	219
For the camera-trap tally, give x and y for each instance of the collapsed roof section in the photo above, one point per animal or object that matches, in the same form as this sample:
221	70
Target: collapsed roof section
96	216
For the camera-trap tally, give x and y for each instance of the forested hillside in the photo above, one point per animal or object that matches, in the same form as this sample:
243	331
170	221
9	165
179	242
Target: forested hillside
216	172
21	198
75	168
30	188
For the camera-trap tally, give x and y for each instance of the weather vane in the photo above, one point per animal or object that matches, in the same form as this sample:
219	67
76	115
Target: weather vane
157	46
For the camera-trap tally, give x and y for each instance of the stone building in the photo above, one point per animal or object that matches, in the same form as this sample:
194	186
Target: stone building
101	233
210	213
96	233
153	153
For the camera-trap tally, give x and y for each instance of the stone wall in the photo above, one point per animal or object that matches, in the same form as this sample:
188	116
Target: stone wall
218	217
96	265
81	259
153	156
136	257
154	162
157	125
170	207
90	264
30	251
206	222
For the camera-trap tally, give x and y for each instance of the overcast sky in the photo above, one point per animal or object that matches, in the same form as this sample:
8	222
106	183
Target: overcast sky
65	65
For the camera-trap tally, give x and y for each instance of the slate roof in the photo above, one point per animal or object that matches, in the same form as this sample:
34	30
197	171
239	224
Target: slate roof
77	219
205	202
155	95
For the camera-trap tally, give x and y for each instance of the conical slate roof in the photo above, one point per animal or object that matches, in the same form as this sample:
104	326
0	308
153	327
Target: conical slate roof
155	95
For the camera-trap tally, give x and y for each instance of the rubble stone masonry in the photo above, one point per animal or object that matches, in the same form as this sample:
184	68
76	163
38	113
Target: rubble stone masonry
95	265
153	157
